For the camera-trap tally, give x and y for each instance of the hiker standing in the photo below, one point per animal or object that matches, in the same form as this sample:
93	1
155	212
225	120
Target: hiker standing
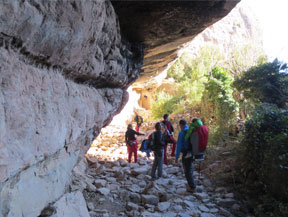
139	120
197	137
131	142
169	137
157	145
182	147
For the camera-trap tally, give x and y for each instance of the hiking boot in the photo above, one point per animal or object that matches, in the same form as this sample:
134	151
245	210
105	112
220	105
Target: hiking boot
189	189
153	178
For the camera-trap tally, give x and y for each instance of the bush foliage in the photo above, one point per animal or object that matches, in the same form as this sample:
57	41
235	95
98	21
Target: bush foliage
166	104
266	152
265	159
190	73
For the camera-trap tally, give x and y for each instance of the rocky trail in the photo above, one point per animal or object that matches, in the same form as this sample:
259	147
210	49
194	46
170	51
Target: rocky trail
114	187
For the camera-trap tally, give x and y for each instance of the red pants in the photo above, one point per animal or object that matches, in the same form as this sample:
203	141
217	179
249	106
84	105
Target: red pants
132	149
173	141
165	155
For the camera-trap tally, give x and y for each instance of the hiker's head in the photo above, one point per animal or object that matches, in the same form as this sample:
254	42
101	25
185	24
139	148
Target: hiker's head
129	126
158	126
165	116
182	123
195	119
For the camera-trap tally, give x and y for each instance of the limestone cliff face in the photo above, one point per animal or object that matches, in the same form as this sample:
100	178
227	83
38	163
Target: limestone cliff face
64	70
237	30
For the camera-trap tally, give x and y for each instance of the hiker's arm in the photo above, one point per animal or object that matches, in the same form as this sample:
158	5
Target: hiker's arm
180	141
139	134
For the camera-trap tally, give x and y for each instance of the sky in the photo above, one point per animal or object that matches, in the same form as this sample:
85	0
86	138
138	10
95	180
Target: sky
273	18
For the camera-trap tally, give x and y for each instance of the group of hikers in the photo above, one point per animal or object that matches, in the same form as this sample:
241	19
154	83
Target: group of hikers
192	141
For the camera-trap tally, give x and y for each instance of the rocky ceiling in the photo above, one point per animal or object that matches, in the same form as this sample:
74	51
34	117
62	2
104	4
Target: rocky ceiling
161	27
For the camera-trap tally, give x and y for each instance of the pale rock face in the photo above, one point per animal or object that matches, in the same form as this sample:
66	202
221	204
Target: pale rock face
58	112
43	136
53	57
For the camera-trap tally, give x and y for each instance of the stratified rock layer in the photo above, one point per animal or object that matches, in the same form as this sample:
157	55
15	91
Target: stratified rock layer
82	38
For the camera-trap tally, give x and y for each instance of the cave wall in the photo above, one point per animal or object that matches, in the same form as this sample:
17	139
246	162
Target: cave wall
64	70
63	73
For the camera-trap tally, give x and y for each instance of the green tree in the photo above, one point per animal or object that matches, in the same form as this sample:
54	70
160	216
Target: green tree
219	108
166	103
266	83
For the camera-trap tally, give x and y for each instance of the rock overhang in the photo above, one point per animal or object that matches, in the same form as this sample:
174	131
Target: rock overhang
162	27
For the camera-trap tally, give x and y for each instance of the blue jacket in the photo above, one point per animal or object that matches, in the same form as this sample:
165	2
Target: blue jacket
181	142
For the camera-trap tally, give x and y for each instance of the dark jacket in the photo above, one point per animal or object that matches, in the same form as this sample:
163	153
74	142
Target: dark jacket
168	125
158	142
130	135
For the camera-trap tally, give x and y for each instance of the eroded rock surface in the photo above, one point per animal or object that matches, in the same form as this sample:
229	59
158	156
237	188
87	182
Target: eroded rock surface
81	38
47	122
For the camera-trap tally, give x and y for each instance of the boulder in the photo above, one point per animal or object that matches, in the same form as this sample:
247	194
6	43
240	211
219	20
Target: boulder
99	183
163	206
149	199
131	206
201	196
189	204
136	198
103	191
141	170
228	202
203	208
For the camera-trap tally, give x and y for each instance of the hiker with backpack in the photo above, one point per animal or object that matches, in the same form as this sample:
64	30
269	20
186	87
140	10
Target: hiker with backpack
139	120
157	144
197	137
145	147
169	129
131	142
182	147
